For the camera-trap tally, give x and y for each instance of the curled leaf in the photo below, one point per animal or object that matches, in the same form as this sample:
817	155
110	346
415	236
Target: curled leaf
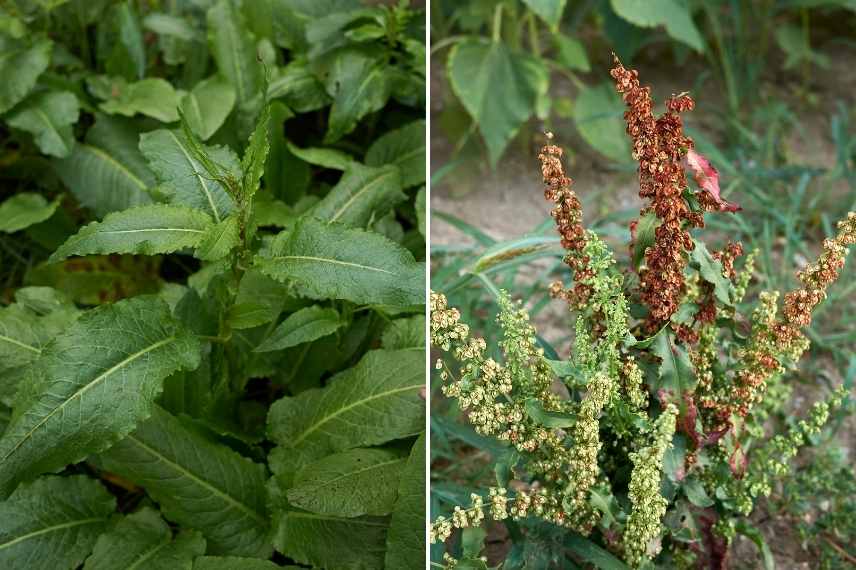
707	177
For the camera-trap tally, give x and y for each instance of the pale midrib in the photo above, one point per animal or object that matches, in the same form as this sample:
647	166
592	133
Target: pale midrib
180	468
351	406
198	176
152	230
295	514
19	343
147	555
359	193
104	156
358	471
54	528
334	261
86	388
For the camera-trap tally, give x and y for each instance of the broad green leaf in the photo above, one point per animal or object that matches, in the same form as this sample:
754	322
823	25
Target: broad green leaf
349	484
236	563
49	117
711	271
172	160
406	539
319	540
332	261
374	402
599	117
24	210
121	42
404	148
405	333
695	492
305	325
549	10
571	53
362	194
673	14
234	51
5	416
478	71
260	300
21	64
153	97
219	239
24	331
143	540
592	553
207	105
359	84
147	230
644	236
547	418
676	370
54	521
255	156
107	173
198	483
298	87
107	367
327	157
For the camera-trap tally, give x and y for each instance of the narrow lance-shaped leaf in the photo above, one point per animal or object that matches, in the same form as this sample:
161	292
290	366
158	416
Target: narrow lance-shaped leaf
184	177
362	193
303	326
406	539
48	117
329	260
374	402
148	230
53	522
143	540
349	484
92	385
255	156
198	483
234	50
219	240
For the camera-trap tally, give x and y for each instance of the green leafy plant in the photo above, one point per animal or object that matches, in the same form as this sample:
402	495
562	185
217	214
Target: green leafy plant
212	338
655	440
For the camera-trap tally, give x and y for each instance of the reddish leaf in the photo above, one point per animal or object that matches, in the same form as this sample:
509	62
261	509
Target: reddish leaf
707	177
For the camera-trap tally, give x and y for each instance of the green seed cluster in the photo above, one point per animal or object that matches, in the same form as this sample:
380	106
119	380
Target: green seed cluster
643	527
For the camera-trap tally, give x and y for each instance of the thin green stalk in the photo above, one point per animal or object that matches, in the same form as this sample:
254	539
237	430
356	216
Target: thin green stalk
496	36
534	42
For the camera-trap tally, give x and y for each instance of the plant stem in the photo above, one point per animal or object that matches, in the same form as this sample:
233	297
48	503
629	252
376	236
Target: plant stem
497	23
534	42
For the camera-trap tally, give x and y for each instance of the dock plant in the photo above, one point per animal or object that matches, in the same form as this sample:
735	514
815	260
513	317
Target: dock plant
649	445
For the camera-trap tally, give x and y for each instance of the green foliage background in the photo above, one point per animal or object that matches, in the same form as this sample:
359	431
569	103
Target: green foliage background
212	253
